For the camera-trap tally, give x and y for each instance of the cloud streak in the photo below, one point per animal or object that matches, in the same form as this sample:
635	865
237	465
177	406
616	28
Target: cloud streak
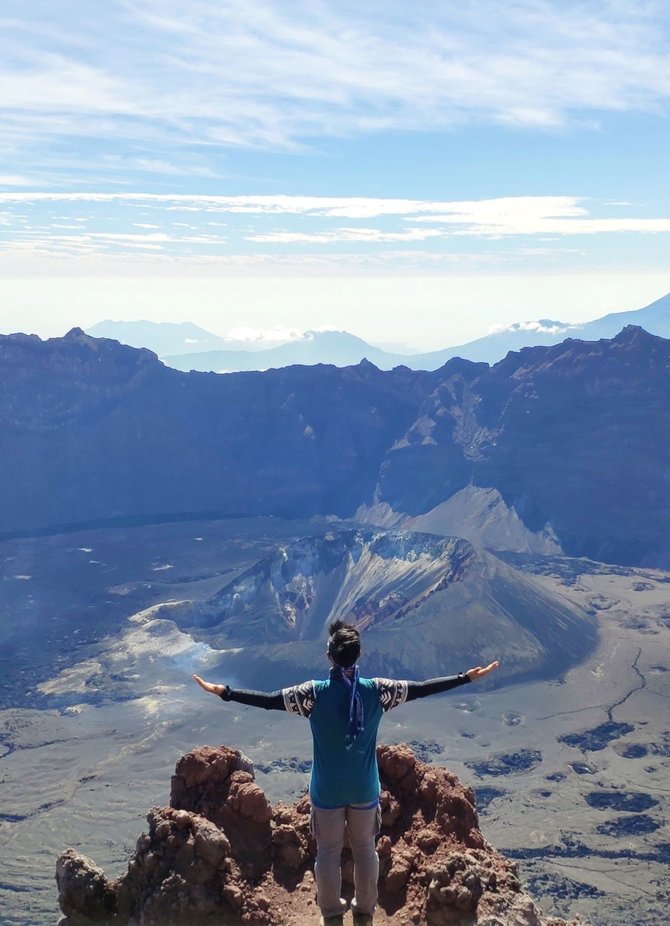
226	73
317	218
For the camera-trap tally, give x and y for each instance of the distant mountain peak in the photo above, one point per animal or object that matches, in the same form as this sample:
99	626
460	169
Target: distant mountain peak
635	333
163	338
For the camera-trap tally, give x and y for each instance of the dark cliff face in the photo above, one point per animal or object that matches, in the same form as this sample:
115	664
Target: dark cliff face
90	429
573	435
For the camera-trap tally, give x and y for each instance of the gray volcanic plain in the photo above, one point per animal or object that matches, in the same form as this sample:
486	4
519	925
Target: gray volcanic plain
571	769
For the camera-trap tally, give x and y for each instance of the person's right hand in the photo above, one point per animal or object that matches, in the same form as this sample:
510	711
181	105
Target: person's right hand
209	687
479	672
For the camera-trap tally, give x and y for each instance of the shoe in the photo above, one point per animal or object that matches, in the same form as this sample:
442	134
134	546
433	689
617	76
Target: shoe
337	920
362	919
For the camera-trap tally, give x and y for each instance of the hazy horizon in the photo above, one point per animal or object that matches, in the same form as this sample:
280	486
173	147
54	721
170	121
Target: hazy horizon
415	175
402	314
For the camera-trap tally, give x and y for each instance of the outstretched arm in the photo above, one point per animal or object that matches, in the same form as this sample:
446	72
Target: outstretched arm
271	700
436	685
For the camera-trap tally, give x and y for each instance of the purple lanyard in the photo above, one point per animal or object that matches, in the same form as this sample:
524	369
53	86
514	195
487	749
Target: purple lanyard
356	713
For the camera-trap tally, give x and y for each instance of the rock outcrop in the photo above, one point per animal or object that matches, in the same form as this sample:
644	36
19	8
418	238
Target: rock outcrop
220	853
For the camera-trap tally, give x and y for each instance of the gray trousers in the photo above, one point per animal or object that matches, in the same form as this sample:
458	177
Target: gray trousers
328	829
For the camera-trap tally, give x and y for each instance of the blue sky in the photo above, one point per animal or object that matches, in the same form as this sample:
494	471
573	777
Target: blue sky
414	173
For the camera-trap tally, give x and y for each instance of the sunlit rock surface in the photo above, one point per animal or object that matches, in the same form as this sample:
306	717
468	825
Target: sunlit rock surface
423	601
220	853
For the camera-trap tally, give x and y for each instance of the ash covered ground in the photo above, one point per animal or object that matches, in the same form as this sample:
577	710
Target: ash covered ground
572	774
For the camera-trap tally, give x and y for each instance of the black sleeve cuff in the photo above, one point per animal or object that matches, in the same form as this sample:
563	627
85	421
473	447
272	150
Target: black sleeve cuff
435	686
269	700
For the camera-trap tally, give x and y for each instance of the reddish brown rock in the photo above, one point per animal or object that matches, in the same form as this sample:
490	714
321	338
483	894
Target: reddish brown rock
83	890
218	783
221	854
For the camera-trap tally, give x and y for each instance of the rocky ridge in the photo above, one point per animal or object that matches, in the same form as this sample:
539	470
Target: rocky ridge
566	436
221	853
564	433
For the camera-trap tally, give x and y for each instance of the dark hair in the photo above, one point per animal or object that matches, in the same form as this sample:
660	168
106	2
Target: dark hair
344	645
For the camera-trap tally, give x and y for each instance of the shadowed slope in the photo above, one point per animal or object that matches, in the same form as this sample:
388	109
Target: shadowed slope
571	438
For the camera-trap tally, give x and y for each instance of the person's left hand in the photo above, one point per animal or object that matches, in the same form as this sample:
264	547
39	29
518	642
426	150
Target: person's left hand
479	672
209	687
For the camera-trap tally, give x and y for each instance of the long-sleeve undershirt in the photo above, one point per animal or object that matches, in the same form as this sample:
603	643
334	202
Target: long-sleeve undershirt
270	700
276	701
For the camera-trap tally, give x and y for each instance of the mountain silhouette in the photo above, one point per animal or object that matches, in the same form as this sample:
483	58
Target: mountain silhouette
188	347
572	438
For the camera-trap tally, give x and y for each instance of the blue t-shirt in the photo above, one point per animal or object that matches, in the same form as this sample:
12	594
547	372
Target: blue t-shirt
344	771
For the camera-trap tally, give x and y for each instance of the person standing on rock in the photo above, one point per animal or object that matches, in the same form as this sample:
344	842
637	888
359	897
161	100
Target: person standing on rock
344	712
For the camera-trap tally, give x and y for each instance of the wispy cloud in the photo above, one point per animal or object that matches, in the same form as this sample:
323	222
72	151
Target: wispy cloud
111	234
14	180
362	235
226	73
317	217
537	215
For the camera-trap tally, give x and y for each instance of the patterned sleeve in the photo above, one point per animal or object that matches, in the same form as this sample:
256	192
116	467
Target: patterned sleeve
391	693
299	699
